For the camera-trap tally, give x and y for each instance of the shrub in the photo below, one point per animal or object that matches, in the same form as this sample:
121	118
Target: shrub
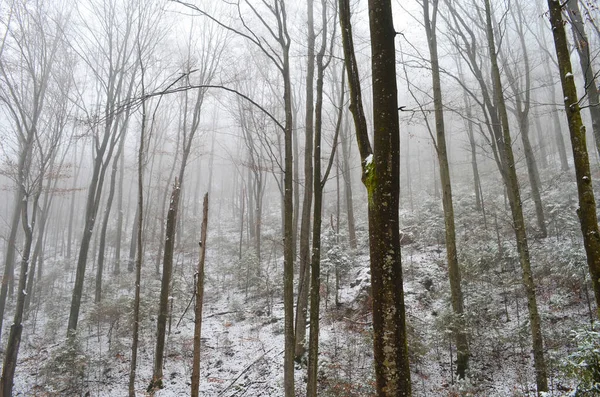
583	365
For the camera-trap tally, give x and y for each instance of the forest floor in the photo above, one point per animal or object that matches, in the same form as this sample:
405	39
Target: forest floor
242	330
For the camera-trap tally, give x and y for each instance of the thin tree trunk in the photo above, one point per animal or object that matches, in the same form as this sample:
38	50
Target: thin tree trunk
139	235
72	205
319	185
199	301
16	330
163	311
102	245
304	274
512	186
462	345
133	241
38	255
162	211
288	224
541	142
9	263
557	131
522	110
346	150
119	235
582	45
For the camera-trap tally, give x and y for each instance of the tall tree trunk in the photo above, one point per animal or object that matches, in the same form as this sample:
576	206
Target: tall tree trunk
296	174
162	211
163	311
346	150
557	131
102	244
199	301
582	45
72	205
16	329
38	254
304	274
319	185
512	186
288	225
522	110
119	235
587	202
462	345
9	263
133	241
381	176
474	167
139	236
541	142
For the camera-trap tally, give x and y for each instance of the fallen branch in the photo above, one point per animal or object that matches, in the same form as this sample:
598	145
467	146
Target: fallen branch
244	371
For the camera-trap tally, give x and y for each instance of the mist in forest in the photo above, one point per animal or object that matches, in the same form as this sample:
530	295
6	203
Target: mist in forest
276	198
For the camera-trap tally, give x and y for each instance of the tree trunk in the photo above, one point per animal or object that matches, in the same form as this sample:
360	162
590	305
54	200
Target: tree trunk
346	150
14	339
199	301
522	109
163	311
140	251
102	245
319	186
162	211
582	45
38	255
288	225
381	176
72	205
9	263
304	274
541	142
119	235
587	201
462	345
512	186
133	241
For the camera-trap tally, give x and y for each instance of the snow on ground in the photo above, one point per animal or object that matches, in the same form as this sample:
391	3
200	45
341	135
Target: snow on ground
242	333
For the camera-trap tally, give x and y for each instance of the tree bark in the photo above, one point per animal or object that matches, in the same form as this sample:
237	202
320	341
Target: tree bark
462	345
163	311
319	185
199	301
346	150
512	186
381	176
9	263
117	269
582	44
139	238
304	274
16	330
587	202
102	244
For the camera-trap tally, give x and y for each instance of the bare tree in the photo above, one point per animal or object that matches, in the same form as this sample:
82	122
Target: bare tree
199	300
112	62
430	15
39	43
32	42
213	45
273	18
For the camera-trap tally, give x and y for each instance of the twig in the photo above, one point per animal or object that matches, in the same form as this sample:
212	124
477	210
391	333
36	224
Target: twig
245	370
